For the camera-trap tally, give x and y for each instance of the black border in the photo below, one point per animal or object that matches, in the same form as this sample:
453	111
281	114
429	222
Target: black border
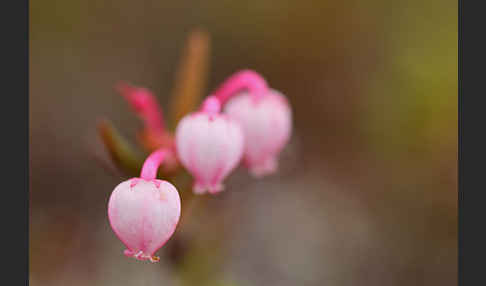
471	158
15	135
472	143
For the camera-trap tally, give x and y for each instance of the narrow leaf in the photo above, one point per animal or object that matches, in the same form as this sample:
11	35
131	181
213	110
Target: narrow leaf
120	151
191	77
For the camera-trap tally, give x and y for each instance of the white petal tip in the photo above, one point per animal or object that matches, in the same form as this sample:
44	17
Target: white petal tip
201	189
266	168
140	255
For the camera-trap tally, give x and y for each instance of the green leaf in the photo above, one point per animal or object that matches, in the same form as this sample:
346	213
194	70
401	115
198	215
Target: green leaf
119	149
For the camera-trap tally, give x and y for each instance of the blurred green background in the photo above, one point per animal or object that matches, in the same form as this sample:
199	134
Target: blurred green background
366	194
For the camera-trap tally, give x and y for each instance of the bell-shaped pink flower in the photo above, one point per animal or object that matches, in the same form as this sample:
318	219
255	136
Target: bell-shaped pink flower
209	145
264	116
266	123
144	212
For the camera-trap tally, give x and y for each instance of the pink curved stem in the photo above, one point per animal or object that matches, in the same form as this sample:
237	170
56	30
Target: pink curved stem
211	105
245	79
152	163
145	105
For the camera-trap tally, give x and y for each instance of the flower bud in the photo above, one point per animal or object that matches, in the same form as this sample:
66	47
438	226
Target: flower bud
144	215
144	212
209	145
266	122
145	104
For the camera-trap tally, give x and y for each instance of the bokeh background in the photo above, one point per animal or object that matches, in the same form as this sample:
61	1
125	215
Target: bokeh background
366	193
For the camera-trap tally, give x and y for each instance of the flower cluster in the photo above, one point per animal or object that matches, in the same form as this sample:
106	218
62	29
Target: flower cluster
243	121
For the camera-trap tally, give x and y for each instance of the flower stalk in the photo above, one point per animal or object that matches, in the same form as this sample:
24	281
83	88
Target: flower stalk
243	80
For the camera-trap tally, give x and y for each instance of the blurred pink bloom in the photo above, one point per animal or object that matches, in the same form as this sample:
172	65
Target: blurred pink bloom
145	105
264	116
144	212
209	145
266	123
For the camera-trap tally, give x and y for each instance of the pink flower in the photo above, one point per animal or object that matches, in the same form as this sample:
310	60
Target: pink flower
209	145
266	123
154	134
145	105
144	212
264	116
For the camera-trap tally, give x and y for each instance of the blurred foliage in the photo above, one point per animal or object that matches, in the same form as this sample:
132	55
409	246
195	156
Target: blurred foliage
119	149
190	83
413	96
202	265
